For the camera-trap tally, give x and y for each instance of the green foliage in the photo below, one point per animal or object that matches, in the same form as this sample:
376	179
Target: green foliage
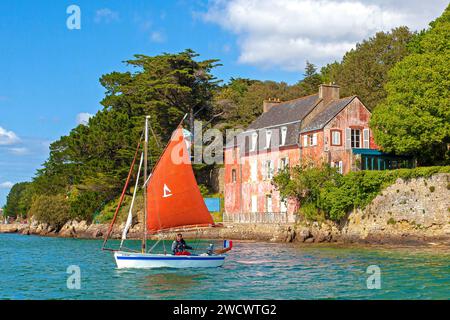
54	210
323	190
391	221
83	205
304	183
311	81
239	102
364	70
18	201
415	116
92	162
204	190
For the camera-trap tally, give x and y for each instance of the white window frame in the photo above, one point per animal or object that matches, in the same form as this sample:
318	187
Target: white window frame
268	169
305	140
283	205
338	134
269	203
254	203
352	131
254	141
283	163
233	175
366	139
283	135
314	139
348	138
341	167
268	138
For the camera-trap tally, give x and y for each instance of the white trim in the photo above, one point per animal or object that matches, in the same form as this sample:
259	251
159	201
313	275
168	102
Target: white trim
254	141
274	126
269	203
254	203
366	139
338	134
283	135
314	143
268	138
283	206
348	138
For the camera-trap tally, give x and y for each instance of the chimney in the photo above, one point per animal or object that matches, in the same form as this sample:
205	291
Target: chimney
328	92
268	104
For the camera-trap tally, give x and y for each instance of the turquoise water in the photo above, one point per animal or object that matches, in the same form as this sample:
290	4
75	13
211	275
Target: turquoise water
36	268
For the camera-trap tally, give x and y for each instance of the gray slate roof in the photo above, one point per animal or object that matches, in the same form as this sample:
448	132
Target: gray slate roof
331	110
289	114
284	112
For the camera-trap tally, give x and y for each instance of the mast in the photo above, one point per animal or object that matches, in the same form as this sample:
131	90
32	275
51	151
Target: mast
144	236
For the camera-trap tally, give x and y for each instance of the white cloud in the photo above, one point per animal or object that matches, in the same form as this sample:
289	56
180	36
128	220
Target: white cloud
106	15
157	36
6	185
286	33
83	118
19	151
8	137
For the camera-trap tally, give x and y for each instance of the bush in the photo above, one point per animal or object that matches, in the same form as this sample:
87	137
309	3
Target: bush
323	190
54	210
83	205
304	183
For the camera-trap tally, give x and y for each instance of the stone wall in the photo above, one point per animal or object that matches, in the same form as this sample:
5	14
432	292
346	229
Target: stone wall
416	209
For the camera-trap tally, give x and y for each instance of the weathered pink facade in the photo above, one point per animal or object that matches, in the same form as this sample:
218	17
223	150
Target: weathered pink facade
239	193
354	116
249	193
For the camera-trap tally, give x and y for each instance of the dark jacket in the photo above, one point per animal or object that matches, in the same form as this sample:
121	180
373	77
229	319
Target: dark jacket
179	246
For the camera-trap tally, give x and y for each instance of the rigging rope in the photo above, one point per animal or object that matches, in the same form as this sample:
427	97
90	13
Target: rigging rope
122	195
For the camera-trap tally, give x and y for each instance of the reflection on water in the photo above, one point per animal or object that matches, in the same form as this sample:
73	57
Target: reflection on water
35	268
171	284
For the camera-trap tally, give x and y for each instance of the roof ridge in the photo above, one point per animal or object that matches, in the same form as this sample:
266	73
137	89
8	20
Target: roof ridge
340	99
304	97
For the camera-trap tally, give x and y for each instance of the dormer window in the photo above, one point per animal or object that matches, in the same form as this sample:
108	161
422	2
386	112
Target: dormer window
283	135
254	141
268	138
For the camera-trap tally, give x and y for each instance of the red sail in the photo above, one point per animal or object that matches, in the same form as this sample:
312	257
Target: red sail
173	197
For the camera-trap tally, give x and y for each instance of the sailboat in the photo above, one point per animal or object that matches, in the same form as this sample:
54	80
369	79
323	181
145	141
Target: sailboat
172	203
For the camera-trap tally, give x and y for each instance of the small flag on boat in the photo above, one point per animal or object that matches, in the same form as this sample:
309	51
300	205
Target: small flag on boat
228	244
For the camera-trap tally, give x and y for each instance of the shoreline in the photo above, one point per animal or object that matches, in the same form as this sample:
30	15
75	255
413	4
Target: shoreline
280	234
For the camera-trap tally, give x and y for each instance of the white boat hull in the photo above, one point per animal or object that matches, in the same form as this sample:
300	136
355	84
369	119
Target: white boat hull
126	260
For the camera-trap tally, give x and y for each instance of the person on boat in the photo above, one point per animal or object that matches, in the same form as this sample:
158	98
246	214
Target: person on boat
179	246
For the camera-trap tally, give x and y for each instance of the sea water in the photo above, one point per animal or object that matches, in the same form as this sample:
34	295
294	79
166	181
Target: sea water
55	268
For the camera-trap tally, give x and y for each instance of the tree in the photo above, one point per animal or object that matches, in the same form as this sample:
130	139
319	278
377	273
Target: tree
16	204
166	87
90	164
363	70
415	116
54	210
311	81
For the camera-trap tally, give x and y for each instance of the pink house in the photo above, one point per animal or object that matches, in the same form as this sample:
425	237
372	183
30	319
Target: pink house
318	128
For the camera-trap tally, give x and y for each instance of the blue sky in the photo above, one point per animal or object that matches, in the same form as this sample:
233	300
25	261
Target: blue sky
49	74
